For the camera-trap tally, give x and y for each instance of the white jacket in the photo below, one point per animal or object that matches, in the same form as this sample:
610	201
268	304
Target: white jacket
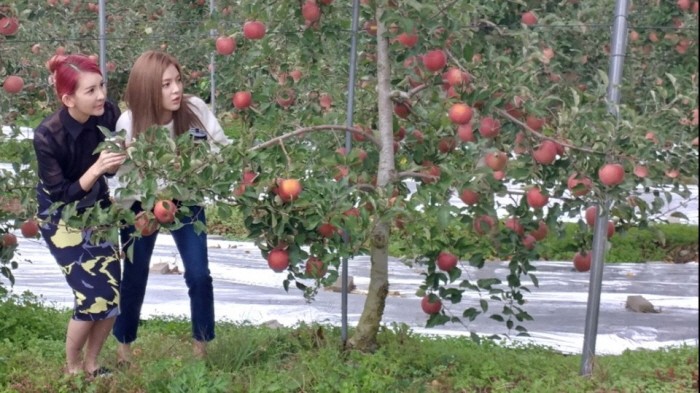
216	138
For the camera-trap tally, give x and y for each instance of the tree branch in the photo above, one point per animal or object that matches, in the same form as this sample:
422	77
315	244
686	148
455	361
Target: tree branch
539	135
455	60
301	131
289	159
411	174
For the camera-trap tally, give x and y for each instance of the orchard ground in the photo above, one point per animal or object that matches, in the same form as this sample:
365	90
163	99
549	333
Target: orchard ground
247	290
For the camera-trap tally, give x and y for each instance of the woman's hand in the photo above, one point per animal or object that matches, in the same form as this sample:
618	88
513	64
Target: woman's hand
108	162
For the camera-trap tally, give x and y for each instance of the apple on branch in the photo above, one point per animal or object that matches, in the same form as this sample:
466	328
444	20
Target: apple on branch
29	228
225	45
446	261
164	211
253	30
278	260
289	189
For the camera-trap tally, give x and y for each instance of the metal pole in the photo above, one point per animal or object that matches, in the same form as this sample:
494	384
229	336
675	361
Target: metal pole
212	65
617	55
101	20
348	146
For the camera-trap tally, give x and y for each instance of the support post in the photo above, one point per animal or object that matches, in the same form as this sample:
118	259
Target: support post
212	63
102	38
348	146
617	56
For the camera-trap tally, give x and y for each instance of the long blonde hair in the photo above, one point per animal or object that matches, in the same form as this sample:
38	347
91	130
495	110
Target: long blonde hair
144	95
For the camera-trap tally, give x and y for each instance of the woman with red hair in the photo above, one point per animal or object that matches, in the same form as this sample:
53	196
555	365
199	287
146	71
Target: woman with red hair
71	173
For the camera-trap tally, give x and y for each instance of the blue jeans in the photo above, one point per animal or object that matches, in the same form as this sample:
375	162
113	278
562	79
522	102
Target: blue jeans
193	250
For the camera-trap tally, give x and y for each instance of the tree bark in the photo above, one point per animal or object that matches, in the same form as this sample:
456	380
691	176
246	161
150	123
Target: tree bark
365	336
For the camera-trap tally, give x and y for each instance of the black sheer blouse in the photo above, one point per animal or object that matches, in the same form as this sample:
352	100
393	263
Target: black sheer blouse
64	151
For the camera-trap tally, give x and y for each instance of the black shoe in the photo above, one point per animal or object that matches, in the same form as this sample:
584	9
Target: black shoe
101	372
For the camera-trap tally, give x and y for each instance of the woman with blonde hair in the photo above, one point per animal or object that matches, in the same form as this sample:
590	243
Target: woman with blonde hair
71	173
154	97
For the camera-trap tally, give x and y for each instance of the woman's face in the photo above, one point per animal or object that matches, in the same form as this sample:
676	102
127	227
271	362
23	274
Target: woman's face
88	99
172	89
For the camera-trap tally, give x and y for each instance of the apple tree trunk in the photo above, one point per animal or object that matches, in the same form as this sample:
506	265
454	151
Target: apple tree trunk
365	336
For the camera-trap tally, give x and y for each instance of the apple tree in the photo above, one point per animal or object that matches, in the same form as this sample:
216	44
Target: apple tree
468	104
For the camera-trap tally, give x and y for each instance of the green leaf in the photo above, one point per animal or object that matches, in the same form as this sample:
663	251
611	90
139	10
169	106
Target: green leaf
496	317
484	305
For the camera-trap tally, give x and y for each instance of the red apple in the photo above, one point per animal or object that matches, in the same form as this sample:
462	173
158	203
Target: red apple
327	230
633	36
278	260
352	212
431	306
529	242
254	30
455	77
528	18
496	160
325	101
460	113
611	229
408	40
545	153
582	261
611	174
684	5
499	175
534	122
541	231
641	171
484	224
514	225
242	99
225	45
9	240
315	268
29	228
402	109
361	154
146	223
466	133
469	197
165	210
447	144
418	135
296	75
434	60
286	98
311	11
591	214
651	136
535	198
13	84
342	171
8	25
446	261
432	171
289	189
248	177
399	134
489	127
581	183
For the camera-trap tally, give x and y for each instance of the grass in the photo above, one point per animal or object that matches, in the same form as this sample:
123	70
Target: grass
309	358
